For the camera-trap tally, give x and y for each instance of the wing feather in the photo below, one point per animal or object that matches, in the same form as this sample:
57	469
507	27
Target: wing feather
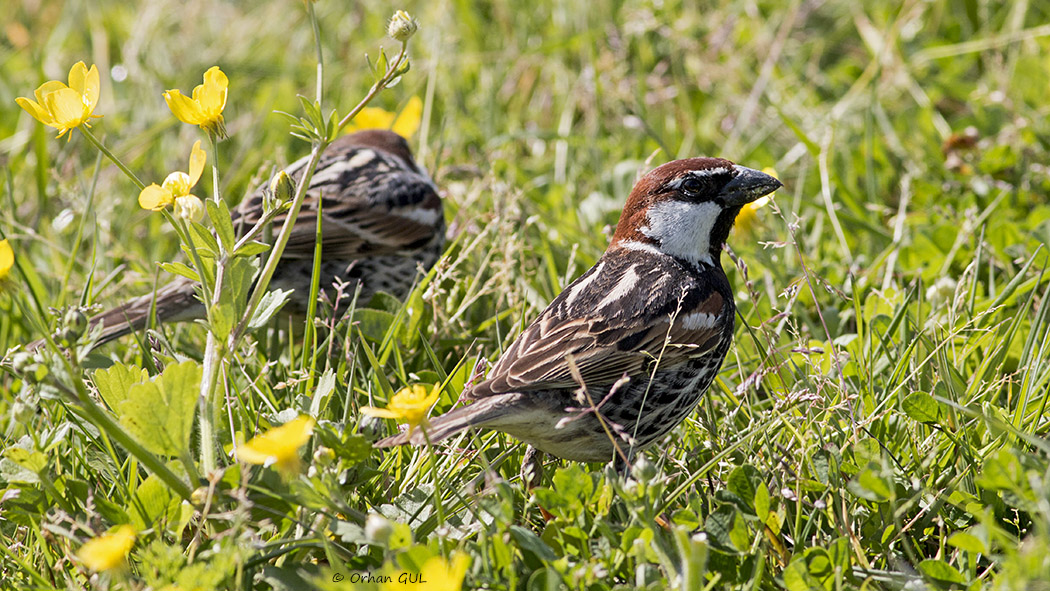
605	346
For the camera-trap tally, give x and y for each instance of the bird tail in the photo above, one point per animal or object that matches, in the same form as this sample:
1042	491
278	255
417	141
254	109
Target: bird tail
451	423
175	302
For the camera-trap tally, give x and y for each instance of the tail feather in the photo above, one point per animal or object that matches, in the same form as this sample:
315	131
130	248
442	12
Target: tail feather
175	302
451	423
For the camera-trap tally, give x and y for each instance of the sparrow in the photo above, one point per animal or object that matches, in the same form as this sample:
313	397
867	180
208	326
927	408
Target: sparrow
626	351
382	221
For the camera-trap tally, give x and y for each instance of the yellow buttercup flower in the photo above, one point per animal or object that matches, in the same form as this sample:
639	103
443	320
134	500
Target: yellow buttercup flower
405	123
65	107
437	574
205	106
7	258
745	220
178	184
109	550
410	405
279	445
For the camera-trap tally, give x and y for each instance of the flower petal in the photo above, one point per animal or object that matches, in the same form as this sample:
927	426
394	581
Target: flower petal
197	160
280	444
184	108
7	258
67	107
77	75
155	198
46	89
380	412
372	118
36	110
109	550
407	122
91	89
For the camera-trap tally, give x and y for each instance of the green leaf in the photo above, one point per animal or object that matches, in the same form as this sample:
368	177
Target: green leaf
968	542
203	240
941	574
324	389
762	502
871	484
373	324
159	413
269	304
219	214
923	408
114	382
30	459
252	248
720	526
181	270
533	549
743	482
812	570
220	320
154	503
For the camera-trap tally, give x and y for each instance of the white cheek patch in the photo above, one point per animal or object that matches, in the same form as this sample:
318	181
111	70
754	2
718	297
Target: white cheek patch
683	229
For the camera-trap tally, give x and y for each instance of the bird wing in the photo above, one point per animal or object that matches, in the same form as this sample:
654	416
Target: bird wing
623	336
371	204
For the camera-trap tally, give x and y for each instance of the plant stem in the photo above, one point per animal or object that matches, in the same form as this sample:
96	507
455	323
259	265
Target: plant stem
317	46
376	88
215	169
91	138
214	349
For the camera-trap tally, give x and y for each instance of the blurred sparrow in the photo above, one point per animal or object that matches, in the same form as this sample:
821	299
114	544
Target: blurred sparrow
382	223
626	351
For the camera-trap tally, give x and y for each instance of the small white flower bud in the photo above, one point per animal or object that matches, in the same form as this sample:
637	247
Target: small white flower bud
402	26
189	208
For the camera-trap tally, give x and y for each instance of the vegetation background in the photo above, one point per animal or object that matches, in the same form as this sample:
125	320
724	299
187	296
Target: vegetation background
881	420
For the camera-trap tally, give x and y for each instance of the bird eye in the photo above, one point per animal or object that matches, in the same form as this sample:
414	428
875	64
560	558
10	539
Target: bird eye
691	185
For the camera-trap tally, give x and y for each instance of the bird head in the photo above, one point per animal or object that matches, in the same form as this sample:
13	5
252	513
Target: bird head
686	208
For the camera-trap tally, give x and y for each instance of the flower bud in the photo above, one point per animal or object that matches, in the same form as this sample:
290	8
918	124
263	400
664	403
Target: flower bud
324	456
21	362
378	529
644	470
75	321
402	26
199	496
189	208
281	188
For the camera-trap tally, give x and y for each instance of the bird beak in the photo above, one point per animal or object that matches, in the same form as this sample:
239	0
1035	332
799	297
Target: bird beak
748	184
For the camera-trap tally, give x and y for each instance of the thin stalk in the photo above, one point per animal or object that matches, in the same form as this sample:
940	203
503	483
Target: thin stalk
214	350
317	46
127	171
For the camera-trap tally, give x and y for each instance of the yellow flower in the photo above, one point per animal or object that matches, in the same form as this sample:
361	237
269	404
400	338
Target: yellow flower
410	405
177	185
65	107
7	258
745	220
436	575
109	550
404	124
206	105
279	445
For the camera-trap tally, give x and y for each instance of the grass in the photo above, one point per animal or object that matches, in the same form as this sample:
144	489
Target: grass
881	420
